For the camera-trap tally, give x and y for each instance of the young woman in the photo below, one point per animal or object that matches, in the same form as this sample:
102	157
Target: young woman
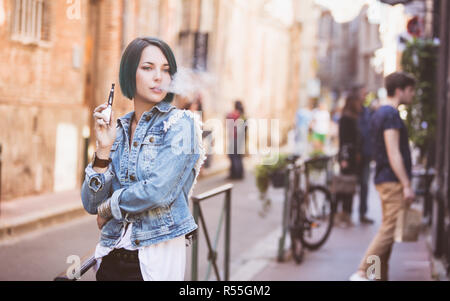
236	141
349	154
143	172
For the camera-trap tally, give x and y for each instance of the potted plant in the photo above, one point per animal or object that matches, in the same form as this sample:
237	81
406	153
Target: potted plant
269	172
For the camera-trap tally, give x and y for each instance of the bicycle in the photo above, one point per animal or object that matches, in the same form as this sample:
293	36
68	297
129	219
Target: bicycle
311	208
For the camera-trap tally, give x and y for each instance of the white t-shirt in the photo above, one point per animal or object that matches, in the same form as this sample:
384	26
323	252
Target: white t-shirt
165	261
321	121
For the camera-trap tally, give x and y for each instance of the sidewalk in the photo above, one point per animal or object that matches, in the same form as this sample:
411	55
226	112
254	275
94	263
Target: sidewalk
28	214
342	253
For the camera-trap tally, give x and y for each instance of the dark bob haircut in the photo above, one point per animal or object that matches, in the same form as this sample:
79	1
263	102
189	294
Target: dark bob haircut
130	62
398	80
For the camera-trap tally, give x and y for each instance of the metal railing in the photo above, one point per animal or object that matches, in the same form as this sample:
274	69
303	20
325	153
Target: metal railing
212	249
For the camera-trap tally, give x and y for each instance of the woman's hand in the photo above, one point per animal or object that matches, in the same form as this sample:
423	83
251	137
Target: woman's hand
408	195
104	133
101	221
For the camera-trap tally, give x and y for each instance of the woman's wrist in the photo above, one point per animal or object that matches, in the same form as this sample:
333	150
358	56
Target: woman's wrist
104	210
103	152
406	184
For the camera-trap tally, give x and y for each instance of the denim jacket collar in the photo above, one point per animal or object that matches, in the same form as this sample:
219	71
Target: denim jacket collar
163	107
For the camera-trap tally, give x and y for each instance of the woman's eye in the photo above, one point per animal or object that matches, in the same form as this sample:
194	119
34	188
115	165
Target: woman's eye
166	70
147	68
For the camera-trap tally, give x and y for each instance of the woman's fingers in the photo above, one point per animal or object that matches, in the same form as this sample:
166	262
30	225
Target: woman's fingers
112	122
100	118
101	107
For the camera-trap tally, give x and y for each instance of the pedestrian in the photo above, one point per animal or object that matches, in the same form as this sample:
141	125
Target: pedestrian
336	114
348	155
236	130
320	127
393	171
366	152
302	124
140	180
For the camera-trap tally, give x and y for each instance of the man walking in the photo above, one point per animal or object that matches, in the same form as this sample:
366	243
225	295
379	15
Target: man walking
393	171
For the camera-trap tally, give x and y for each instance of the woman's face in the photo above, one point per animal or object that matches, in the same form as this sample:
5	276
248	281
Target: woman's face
152	75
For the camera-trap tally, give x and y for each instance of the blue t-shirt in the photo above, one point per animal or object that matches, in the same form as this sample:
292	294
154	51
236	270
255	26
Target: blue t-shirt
387	117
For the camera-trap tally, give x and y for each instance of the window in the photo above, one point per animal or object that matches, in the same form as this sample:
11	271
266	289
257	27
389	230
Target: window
31	21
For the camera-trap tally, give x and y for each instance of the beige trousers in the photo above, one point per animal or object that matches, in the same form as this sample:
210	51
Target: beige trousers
391	195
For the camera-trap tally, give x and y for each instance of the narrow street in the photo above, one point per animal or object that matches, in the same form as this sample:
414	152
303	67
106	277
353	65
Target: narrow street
254	242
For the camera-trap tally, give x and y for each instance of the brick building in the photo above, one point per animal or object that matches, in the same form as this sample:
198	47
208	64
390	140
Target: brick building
42	103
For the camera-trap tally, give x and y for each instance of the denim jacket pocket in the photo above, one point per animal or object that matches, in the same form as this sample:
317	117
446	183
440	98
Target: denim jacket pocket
160	217
149	149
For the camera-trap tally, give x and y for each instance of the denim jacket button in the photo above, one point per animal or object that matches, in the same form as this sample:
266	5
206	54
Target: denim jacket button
147	118
132	178
152	139
137	242
135	144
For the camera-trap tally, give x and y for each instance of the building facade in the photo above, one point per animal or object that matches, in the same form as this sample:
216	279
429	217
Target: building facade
42	101
346	51
441	184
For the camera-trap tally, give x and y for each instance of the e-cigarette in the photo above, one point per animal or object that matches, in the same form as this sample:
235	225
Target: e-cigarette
108	110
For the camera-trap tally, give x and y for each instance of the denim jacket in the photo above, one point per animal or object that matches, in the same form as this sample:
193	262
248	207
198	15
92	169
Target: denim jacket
150	183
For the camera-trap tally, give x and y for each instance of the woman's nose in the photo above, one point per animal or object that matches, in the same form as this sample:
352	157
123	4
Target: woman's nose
157	76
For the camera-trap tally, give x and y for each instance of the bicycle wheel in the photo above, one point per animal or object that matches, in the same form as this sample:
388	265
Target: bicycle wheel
295	228
318	211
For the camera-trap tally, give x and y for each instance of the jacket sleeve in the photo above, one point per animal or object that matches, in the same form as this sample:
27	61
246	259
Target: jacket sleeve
175	161
96	188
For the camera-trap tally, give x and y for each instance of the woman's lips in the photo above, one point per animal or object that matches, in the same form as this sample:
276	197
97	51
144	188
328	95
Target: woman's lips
156	90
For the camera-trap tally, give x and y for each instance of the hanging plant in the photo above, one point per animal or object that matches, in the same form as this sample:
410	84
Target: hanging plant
420	59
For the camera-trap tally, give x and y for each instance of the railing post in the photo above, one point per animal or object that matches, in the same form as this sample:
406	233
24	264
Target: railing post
194	260
199	219
227	233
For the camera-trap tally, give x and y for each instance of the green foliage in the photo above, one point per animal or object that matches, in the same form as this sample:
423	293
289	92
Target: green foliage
263	171
420	59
